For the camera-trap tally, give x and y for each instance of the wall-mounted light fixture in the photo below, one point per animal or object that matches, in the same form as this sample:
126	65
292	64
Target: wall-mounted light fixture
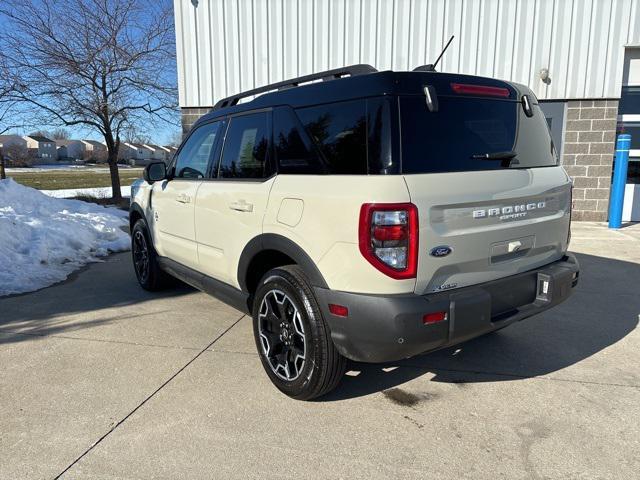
544	76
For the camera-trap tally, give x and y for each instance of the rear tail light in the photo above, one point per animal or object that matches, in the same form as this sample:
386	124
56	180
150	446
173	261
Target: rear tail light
481	90
388	238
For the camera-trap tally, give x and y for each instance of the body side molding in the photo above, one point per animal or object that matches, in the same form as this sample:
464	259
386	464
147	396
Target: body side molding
220	290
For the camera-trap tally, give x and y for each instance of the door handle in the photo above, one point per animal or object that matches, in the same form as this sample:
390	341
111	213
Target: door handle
241	206
183	198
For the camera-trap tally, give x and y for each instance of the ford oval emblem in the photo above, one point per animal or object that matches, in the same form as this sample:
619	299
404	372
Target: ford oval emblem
441	251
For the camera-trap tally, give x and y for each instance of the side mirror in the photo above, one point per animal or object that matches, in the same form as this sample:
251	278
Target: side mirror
154	172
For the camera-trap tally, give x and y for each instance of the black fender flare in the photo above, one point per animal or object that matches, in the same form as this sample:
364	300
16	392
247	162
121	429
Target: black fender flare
273	241
138	210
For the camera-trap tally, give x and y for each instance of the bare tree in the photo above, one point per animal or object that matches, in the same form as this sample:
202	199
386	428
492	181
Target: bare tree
176	139
8	87
133	135
40	133
99	64
19	155
60	134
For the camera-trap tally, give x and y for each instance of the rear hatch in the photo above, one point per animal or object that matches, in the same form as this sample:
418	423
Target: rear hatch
481	167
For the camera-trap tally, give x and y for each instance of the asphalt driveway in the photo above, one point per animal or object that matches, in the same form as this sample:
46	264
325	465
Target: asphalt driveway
100	379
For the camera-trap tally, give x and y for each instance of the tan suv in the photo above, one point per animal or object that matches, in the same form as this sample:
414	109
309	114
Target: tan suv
373	217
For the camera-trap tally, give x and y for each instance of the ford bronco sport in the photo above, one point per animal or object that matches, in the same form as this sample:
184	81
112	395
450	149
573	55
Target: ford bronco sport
363	215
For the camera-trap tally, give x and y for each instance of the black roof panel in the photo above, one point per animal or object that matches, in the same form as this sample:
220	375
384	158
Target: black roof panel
363	86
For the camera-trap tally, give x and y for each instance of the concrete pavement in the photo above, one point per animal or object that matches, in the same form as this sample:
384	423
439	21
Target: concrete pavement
100	379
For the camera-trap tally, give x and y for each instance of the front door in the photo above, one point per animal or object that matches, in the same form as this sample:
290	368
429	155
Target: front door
230	208
173	200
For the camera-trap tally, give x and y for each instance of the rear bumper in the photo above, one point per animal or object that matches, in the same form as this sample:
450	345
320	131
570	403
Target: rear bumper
382	328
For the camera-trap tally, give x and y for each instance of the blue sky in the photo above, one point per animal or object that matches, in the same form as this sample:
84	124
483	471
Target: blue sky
164	133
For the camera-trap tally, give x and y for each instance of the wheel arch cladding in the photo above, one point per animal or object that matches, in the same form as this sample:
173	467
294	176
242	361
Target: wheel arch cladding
135	214
268	251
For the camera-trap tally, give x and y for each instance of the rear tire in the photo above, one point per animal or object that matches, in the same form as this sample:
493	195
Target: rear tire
145	259
292	338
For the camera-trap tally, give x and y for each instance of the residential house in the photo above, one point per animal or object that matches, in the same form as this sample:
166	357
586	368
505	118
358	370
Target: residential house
126	153
14	149
172	151
136	153
159	153
71	149
62	152
94	151
41	149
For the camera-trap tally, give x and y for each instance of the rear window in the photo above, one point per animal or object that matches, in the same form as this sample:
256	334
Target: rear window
463	128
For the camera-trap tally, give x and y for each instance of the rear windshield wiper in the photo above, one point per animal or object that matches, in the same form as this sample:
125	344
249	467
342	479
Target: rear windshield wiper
495	155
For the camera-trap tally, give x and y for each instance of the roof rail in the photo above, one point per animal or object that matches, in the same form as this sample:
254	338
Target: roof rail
352	70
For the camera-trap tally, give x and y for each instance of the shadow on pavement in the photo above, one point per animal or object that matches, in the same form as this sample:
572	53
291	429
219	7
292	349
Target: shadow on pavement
91	289
603	310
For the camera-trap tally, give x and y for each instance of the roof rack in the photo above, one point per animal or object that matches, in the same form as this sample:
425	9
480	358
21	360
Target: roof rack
352	70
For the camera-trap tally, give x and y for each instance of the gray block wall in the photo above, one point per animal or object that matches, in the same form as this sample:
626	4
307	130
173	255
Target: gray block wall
589	142
190	116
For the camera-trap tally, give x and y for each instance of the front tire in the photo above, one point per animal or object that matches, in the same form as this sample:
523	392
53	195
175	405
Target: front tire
292	338
145	259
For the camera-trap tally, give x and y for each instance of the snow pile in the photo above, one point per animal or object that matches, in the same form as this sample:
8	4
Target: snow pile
98	192
43	239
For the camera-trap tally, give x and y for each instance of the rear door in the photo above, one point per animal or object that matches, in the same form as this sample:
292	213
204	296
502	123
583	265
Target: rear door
230	207
174	199
484	175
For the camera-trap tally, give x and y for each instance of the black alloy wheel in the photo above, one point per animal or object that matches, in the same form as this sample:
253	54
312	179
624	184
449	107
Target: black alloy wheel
282	335
140	252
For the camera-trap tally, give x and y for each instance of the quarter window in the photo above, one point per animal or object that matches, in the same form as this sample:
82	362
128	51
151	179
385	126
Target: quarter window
246	147
340	131
294	151
193	159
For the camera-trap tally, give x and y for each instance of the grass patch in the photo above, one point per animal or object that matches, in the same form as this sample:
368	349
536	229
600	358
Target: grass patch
78	178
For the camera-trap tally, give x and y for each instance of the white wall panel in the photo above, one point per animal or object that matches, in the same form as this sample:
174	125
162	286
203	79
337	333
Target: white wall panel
353	24
225	46
261	40
385	34
290	35
540	46
487	36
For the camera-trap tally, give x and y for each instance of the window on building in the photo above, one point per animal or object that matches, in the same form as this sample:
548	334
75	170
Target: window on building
633	129
340	132
193	160
629	111
246	147
630	100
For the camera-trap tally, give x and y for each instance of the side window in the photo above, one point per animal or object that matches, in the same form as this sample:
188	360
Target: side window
294	152
340	131
246	148
193	159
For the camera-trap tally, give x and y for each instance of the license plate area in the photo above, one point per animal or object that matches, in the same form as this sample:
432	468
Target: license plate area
508	296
